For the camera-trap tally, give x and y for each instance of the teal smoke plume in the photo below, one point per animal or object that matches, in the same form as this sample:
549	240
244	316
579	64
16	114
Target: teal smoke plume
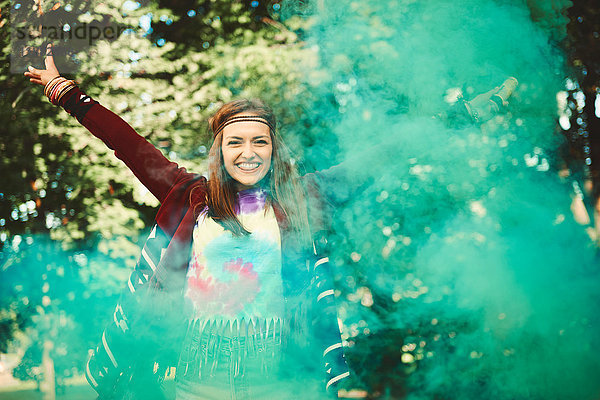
462	273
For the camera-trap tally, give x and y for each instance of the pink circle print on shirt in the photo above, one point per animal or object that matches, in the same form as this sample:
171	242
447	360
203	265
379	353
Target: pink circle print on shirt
223	297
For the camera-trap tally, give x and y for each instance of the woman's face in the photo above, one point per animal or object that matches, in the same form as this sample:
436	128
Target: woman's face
247	149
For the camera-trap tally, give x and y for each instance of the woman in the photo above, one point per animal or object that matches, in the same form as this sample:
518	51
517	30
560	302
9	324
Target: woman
234	258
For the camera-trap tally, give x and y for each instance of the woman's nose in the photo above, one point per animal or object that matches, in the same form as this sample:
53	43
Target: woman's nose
248	150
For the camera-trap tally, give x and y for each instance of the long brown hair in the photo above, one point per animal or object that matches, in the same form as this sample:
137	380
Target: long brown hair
282	182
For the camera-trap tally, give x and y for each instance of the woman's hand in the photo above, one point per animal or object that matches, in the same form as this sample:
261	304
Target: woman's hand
43	76
483	107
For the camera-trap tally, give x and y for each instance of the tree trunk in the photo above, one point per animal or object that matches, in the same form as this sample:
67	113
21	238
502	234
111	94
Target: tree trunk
48	383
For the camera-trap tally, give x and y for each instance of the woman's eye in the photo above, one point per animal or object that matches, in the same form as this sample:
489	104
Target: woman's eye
233	142
261	142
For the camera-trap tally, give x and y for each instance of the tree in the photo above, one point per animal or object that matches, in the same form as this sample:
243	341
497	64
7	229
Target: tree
583	127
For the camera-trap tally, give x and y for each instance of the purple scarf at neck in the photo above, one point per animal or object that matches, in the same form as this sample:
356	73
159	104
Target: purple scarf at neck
250	200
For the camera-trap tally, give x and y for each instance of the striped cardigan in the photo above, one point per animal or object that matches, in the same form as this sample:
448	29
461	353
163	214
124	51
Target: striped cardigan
145	330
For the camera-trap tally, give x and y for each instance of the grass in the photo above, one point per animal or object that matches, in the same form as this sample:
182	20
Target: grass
79	392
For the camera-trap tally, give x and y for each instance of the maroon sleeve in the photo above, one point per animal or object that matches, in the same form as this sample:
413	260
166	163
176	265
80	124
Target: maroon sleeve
152	168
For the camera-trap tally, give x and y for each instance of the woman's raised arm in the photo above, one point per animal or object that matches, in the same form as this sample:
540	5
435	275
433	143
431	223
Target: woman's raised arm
152	168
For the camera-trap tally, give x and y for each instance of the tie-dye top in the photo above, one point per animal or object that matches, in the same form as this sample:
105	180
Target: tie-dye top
233	277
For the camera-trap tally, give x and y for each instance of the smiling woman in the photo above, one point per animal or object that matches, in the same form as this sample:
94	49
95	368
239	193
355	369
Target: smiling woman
234	259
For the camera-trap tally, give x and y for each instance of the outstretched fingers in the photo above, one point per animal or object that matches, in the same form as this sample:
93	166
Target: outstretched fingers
34	75
43	76
33	72
49	60
38	81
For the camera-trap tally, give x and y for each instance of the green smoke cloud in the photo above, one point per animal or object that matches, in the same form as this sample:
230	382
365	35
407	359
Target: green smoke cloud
462	272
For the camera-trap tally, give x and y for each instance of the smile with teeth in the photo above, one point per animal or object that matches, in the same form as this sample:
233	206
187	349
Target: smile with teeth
248	166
